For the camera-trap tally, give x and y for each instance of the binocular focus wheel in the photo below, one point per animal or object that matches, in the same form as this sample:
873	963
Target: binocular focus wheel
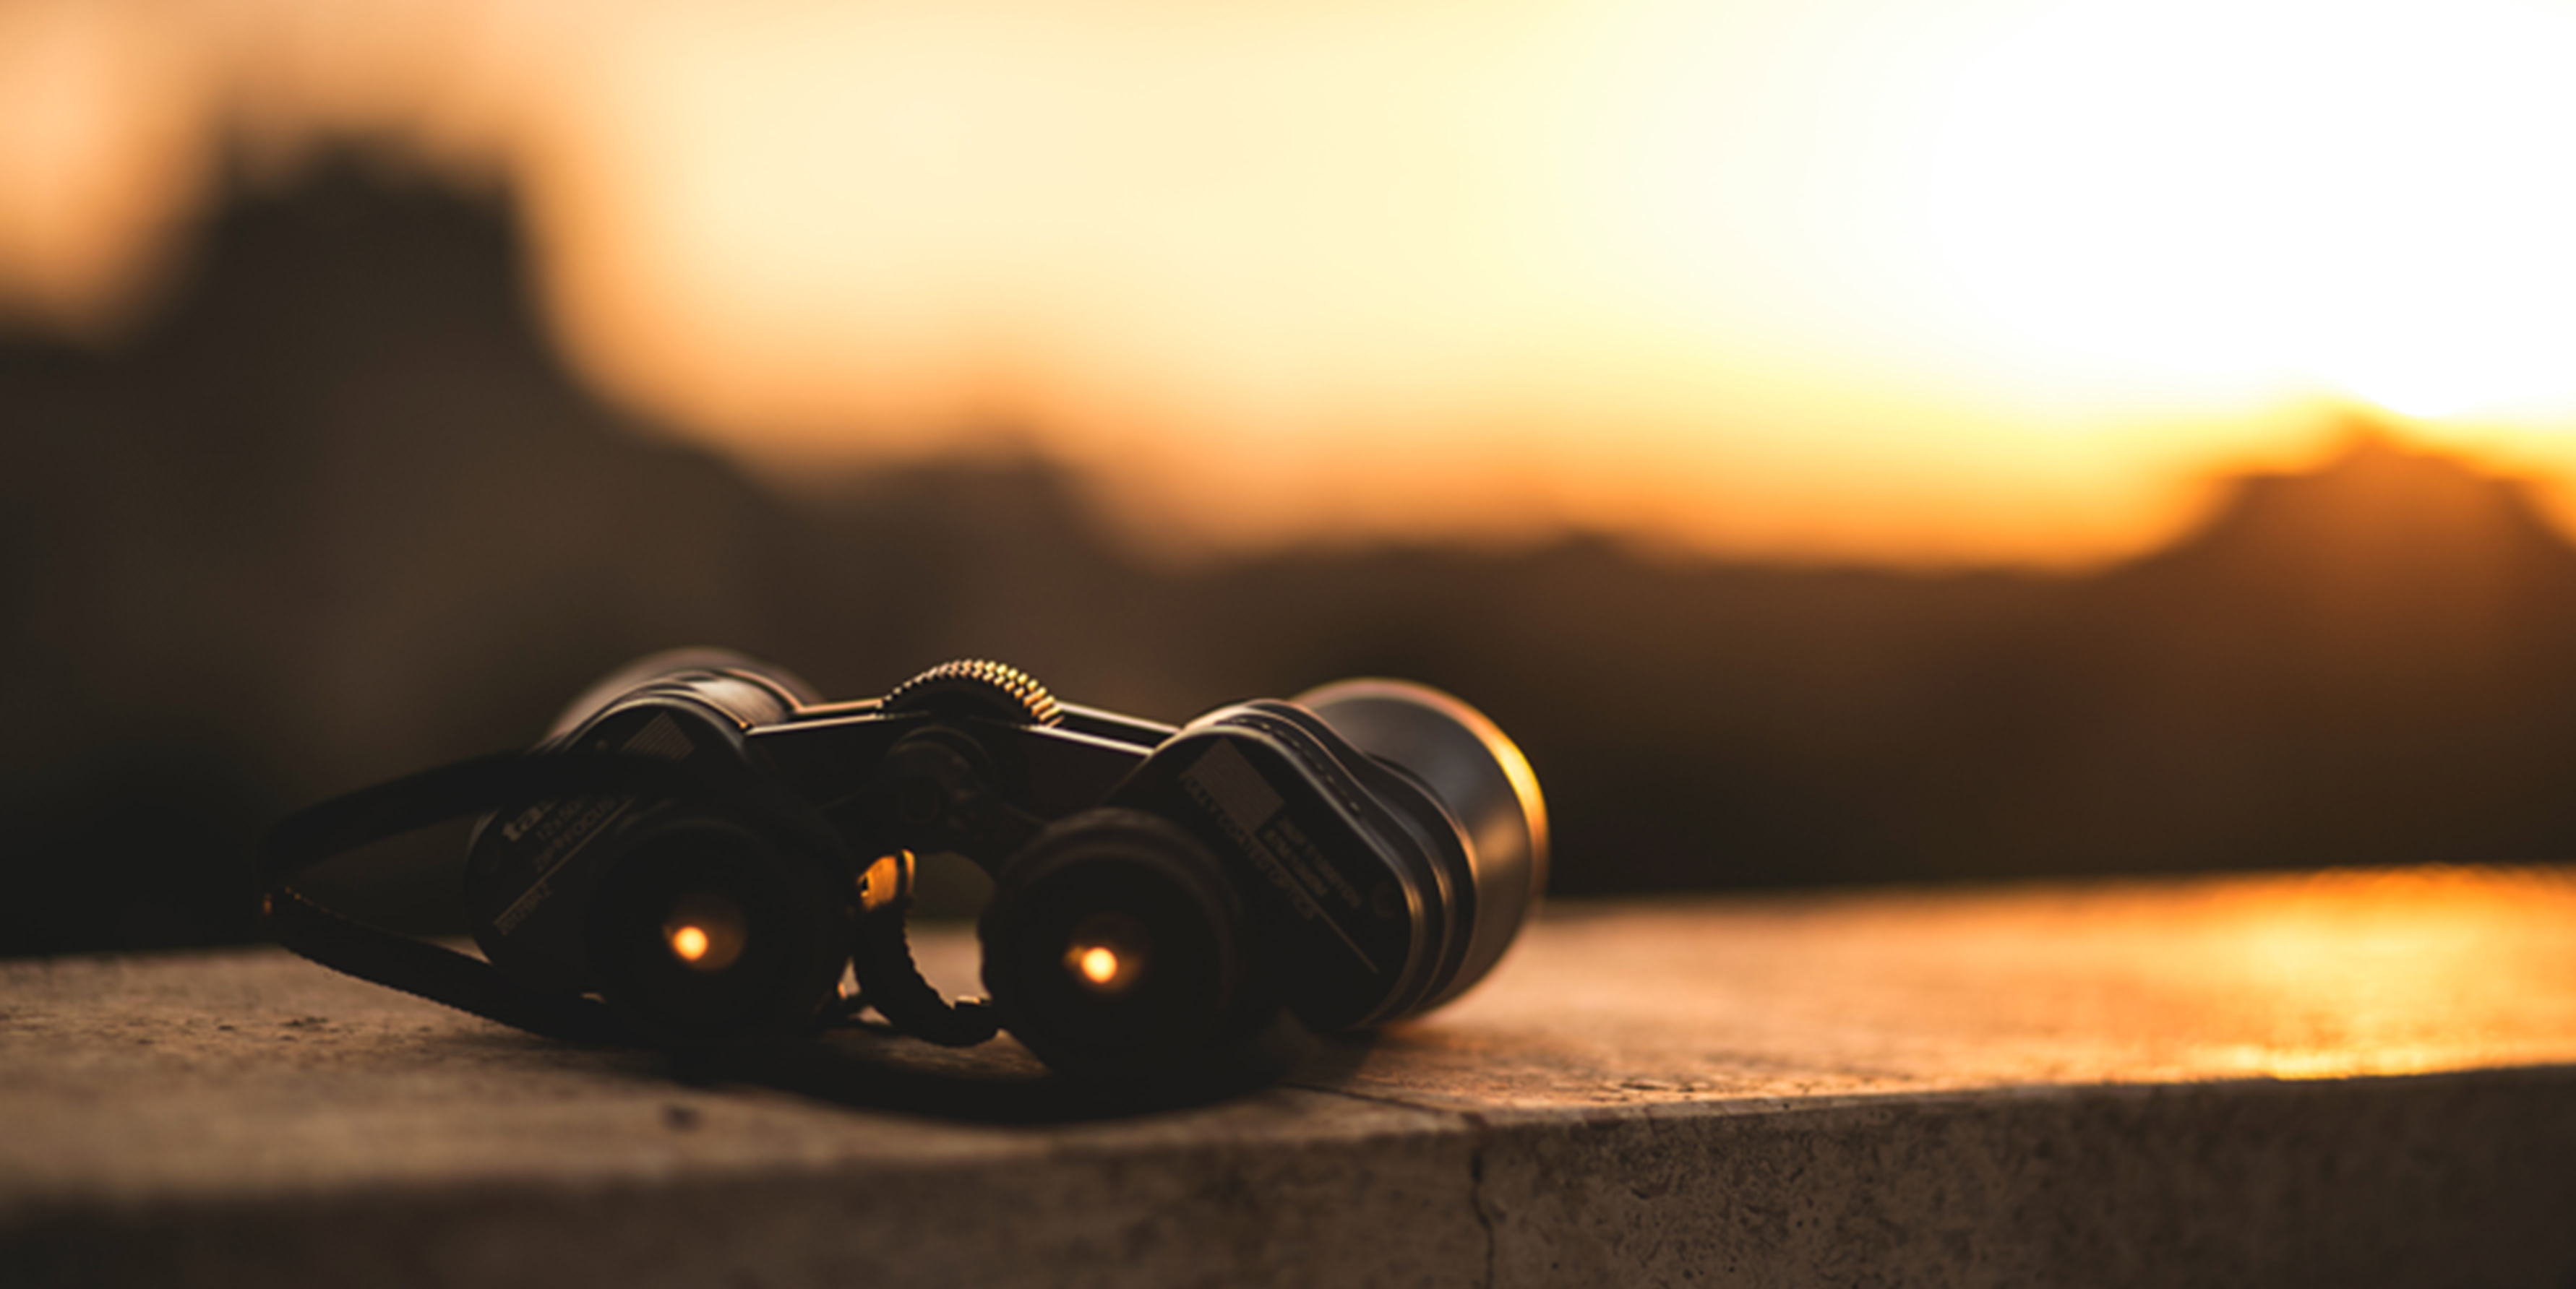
979	687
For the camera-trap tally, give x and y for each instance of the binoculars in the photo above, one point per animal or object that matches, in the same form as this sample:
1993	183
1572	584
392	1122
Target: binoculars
701	849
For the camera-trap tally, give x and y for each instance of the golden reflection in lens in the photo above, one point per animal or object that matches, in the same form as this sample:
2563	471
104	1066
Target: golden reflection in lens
1107	952
705	932
1099	968
690	943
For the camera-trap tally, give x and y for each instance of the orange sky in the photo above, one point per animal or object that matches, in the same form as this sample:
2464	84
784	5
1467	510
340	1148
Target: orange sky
1895	280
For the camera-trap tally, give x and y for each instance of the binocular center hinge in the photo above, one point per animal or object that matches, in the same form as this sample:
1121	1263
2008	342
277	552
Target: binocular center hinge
928	799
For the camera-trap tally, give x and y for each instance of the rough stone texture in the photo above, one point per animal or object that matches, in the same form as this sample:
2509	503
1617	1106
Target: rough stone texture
2330	1079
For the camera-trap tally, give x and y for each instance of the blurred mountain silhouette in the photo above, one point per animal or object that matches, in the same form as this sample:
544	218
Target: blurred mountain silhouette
338	512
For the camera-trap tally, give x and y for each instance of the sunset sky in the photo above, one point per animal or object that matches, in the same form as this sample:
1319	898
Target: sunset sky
1916	281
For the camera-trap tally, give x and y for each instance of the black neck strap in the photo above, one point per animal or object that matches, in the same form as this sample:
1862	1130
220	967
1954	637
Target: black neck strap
309	838
893	983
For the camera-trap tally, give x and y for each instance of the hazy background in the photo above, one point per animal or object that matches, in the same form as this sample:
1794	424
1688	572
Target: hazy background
1843	442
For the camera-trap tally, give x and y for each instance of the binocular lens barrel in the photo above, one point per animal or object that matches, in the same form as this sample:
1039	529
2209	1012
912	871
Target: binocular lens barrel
1364	853
1479	777
746	691
691	918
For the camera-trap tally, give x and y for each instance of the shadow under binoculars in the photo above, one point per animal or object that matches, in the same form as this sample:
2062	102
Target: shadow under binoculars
702	849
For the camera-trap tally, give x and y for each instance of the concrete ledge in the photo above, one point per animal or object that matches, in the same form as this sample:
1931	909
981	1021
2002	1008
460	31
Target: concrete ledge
2342	1079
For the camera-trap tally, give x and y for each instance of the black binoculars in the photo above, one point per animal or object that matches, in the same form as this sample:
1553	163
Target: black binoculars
702	849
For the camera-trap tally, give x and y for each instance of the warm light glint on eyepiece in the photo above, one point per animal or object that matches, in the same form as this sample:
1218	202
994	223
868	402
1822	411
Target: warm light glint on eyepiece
1107	952
705	932
690	943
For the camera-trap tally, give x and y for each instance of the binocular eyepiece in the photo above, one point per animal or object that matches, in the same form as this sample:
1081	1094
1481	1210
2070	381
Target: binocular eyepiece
705	848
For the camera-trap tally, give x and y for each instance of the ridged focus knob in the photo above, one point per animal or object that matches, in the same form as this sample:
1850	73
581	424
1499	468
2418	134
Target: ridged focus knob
977	687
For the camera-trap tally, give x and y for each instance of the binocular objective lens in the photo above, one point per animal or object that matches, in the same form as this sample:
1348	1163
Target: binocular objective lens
705	931
1108	952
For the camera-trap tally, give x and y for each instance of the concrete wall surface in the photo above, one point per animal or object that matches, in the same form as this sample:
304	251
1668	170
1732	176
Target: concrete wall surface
2339	1078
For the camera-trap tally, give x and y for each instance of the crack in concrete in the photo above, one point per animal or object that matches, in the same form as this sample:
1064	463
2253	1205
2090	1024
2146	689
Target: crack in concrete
1482	1133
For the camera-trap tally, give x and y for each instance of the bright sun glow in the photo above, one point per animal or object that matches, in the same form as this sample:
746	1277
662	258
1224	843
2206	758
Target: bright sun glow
690	943
1924	281
2372	197
1099	965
